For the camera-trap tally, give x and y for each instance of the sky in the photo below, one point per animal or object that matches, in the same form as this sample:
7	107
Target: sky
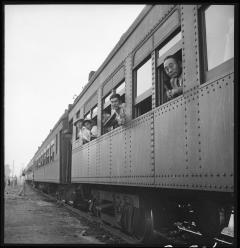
49	52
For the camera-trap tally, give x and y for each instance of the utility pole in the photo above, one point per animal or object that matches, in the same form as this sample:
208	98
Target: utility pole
13	169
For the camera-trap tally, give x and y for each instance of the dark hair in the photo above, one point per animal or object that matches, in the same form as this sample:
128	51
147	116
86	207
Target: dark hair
171	56
105	111
87	120
115	96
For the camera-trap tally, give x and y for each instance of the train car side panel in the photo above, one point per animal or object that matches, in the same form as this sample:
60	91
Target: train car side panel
80	165
216	122
92	161
170	160
118	166
104	159
141	167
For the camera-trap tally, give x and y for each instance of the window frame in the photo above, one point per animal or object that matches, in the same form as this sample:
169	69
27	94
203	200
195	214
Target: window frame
173	50
145	94
205	74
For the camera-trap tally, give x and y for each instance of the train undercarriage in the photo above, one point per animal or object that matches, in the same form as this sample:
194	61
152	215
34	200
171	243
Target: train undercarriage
147	213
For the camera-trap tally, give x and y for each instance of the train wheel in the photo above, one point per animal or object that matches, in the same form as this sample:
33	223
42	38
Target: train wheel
208	218
143	224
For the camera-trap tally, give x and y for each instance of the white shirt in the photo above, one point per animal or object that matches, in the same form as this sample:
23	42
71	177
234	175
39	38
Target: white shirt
94	131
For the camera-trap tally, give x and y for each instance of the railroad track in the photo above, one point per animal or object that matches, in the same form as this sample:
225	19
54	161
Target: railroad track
166	238
128	239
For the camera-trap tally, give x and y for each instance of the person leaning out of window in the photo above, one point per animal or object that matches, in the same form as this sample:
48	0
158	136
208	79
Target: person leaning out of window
118	109
89	132
173	69
79	129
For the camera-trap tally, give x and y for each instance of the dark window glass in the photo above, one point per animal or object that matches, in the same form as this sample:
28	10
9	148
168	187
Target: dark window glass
219	25
56	143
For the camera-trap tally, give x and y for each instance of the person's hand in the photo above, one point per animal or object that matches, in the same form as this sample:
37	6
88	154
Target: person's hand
169	94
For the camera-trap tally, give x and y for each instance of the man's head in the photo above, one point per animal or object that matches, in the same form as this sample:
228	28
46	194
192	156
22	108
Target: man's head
79	123
88	124
115	101
172	66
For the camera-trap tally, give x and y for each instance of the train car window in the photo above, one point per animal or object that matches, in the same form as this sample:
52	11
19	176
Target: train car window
48	154
52	150
77	129
171	46
106	111
143	88
217	27
44	157
76	133
120	89
94	115
106	101
87	115
56	138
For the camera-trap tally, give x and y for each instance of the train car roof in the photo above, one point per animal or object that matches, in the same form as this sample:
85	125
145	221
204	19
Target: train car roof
122	40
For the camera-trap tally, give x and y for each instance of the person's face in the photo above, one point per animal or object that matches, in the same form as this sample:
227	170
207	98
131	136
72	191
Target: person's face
88	125
115	103
79	124
172	68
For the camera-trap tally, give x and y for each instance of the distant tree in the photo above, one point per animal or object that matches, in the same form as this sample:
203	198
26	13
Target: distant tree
7	170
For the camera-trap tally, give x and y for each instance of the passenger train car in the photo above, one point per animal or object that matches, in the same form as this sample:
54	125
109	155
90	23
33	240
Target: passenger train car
172	160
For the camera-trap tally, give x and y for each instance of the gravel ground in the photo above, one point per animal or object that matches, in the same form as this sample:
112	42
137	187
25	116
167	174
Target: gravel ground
34	219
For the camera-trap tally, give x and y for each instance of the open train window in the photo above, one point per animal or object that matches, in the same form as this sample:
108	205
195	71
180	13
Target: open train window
171	46
48	154
94	115
77	129
106	103
56	143
142	77
87	115
120	89
217	27
52	151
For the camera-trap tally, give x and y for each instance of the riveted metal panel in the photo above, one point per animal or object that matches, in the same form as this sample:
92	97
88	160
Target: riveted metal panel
39	176
92	161
118	155
104	158
127	154
80	162
128	81
169	142
217	133
190	50
192	131
166	28
153	58
143	51
142	171
51	172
